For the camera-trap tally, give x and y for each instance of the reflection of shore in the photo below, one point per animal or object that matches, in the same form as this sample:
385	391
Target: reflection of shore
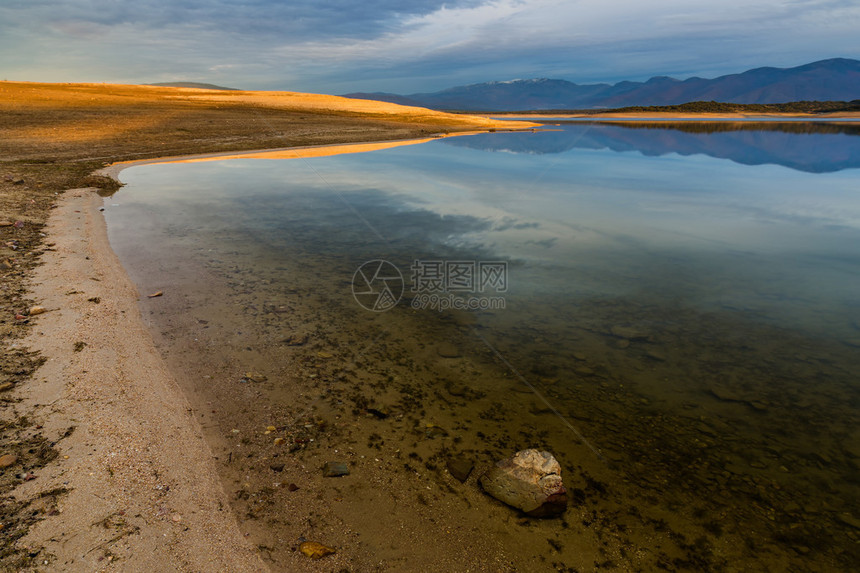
645	116
285	153
812	147
802	127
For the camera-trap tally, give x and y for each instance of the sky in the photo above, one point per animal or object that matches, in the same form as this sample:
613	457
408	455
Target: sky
409	46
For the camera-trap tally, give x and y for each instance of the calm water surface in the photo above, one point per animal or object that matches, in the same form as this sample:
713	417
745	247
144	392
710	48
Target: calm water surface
680	327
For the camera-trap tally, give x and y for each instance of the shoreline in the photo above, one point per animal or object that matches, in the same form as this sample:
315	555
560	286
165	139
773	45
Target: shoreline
300	152
144	499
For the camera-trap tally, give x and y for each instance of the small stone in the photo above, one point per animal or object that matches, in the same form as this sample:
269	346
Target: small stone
460	468
6	223
849	520
270	428
8	460
292	487
6	386
448	350
296	340
629	333
656	355
757	405
255	377
432	431
725	394
156	294
458	390
380	411
34	310
277	467
176	518
279	441
315	550
335	469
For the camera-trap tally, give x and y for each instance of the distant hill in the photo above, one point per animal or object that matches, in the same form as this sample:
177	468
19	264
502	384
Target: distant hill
196	85
826	80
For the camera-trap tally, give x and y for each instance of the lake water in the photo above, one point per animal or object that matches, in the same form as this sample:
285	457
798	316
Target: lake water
673	310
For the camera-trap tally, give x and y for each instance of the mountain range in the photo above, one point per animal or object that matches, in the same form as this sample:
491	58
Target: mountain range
836	79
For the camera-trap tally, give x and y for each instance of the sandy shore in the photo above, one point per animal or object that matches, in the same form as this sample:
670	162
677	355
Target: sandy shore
143	492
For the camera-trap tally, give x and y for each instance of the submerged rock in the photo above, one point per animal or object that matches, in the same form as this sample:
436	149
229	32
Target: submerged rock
448	350
296	340
629	333
460	468
381	411
529	480
335	469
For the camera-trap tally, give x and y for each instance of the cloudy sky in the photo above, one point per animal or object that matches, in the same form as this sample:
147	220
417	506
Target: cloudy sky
407	46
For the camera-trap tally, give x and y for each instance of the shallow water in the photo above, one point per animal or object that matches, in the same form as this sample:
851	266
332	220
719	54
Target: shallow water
672	311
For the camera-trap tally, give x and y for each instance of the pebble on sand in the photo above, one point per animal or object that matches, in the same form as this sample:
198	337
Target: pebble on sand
335	469
448	350
315	550
8	460
460	468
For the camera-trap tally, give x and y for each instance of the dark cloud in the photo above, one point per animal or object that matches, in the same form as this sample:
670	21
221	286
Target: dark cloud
408	46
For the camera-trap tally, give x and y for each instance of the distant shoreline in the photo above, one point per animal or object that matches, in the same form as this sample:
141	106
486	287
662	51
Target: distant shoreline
675	116
659	116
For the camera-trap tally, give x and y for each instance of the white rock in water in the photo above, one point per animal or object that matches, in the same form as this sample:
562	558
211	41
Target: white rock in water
529	480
